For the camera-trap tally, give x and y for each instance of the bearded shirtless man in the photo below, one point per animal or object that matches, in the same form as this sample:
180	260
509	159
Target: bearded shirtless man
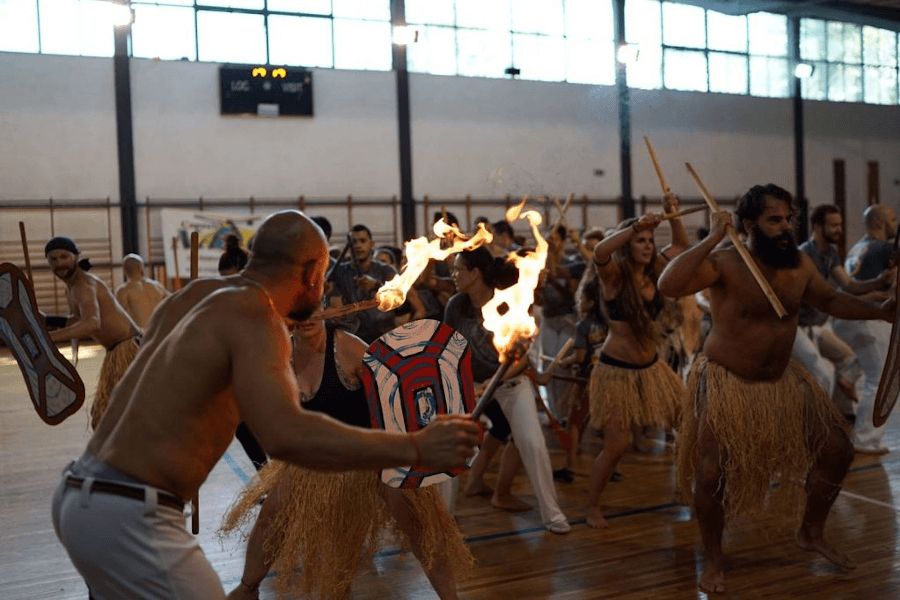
139	295
753	416
214	354
93	312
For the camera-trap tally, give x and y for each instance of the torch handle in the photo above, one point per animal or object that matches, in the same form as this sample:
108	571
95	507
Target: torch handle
488	394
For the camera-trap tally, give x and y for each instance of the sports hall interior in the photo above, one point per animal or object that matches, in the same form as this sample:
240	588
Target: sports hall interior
465	106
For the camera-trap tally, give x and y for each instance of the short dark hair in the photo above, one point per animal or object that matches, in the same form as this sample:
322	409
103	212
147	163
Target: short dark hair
821	212
502	227
234	257
361	227
752	204
451	218
496	271
324	224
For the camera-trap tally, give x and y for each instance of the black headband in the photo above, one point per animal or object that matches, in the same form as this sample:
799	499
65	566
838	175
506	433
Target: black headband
61	243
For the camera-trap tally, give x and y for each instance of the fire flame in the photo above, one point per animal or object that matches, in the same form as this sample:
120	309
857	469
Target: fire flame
516	324
418	252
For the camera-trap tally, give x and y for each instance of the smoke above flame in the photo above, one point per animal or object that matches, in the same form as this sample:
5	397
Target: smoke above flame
418	252
516	324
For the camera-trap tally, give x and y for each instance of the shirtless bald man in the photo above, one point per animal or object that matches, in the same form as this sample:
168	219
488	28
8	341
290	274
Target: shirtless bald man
754	416
139	295
93	312
214	354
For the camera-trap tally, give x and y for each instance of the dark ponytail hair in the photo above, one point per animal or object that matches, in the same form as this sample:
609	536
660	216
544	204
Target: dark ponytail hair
497	271
234	256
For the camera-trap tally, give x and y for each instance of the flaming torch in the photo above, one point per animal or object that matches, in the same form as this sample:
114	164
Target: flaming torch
515	327
418	252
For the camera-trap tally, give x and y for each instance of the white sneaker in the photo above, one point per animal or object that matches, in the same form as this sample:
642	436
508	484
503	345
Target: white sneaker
560	527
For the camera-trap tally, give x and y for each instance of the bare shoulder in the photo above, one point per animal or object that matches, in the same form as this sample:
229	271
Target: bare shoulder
350	350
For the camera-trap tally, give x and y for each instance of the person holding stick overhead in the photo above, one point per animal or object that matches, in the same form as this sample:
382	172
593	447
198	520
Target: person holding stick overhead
214	354
753	417
93	312
477	273
630	386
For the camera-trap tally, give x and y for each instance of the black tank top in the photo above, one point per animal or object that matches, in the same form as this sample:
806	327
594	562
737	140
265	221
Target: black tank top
333	398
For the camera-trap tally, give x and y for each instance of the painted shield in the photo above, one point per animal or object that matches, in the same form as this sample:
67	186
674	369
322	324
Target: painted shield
889	386
413	374
55	388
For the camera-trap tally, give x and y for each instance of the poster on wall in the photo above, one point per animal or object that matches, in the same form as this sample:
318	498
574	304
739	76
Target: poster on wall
212	229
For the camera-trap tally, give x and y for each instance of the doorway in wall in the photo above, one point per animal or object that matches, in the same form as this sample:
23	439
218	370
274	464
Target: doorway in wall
839	171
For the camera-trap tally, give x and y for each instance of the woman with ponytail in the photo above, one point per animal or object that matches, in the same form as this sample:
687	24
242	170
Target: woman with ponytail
477	274
630	387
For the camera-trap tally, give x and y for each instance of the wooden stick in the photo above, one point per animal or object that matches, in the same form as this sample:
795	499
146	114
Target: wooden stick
343	311
565	438
25	250
176	284
195	260
567	347
659	173
492	386
681	213
195	252
739	246
330	274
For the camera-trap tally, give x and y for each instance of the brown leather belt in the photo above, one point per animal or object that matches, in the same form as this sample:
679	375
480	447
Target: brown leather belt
128	491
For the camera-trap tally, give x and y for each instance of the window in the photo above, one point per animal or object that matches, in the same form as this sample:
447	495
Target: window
683	25
165	32
231	37
300	41
727	73
685	70
76	27
18	26
362	45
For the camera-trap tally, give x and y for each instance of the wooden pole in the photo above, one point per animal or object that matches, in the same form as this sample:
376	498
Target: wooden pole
195	268
25	251
681	213
739	246
659	173
176	283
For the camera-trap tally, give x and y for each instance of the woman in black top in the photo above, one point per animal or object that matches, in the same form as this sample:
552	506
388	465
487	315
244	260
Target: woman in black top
630	386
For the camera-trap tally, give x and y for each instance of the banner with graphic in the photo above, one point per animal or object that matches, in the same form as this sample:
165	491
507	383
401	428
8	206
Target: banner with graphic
212	228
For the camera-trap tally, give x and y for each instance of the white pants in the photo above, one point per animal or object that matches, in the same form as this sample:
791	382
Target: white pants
869	340
516	399
554	333
806	352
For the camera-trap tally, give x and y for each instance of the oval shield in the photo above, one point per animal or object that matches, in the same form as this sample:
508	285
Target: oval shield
413	374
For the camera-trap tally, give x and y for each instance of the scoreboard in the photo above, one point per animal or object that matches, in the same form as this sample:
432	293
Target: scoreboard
265	91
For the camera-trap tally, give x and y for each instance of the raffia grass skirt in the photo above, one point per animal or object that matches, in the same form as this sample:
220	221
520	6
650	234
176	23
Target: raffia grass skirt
648	397
329	525
115	363
769	435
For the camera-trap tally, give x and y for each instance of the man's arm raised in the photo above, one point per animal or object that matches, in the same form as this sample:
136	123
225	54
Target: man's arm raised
693	270
266	394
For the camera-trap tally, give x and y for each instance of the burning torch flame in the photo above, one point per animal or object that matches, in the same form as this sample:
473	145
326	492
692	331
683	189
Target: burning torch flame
418	252
516	324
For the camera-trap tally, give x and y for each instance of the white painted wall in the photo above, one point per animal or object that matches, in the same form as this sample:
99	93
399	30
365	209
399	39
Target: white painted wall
470	136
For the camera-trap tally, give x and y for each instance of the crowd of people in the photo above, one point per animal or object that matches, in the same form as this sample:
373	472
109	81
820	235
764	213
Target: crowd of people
764	412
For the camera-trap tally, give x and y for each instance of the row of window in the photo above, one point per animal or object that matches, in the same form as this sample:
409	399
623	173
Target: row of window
681	46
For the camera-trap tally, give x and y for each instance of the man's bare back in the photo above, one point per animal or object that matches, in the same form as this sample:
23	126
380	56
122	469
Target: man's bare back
139	297
217	353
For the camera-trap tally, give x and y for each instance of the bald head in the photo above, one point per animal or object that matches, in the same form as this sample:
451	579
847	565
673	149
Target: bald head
880	221
133	265
285	240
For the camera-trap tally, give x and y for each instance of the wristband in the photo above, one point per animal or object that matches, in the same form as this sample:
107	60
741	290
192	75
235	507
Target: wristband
55	321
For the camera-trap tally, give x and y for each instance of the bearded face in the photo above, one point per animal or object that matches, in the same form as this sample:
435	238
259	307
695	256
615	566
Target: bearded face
778	252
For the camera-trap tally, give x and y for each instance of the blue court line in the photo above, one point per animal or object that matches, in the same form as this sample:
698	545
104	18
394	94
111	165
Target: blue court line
236	468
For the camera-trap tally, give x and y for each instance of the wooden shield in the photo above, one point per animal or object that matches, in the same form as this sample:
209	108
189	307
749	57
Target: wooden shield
55	388
412	374
889	385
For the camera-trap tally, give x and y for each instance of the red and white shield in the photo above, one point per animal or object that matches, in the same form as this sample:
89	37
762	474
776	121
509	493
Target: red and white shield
413	374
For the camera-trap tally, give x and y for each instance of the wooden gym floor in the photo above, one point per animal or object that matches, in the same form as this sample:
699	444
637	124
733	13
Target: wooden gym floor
651	550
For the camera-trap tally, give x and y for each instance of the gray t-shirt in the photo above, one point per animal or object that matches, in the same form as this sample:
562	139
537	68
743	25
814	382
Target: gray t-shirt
825	263
462	316
370	323
868	258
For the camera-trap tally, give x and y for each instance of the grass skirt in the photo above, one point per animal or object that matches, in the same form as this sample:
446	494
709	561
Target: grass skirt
329	526
648	397
767	432
115	363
